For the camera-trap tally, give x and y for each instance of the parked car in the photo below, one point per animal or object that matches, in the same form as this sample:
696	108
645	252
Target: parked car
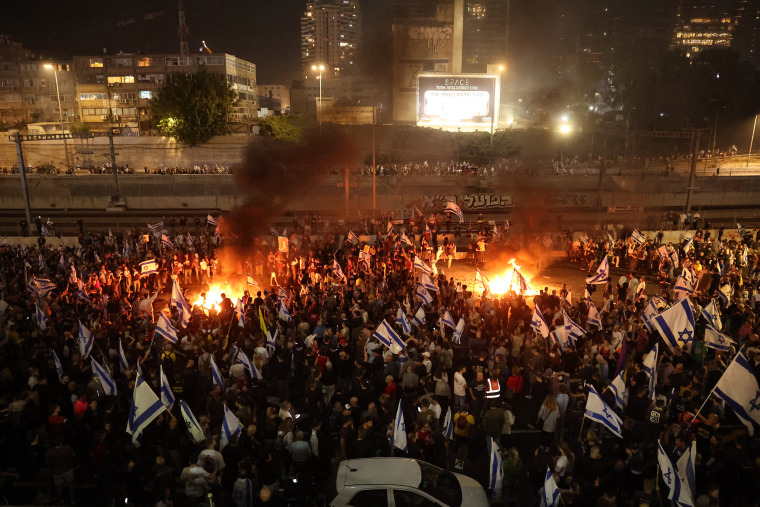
400	482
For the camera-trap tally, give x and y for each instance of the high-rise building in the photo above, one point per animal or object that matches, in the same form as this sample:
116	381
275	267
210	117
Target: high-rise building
331	36
485	33
703	24
747	40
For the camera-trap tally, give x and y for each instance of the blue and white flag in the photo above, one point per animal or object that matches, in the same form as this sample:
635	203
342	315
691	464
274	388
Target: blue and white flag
593	318
458	332
387	336
712	315
573	330
725	293
40	287
481	280
495	469
191	423
403	321
58	365
683	286
145	408
559	335
157	229
638	237
283	312
148	267
62	262
389	231
250	282
216	373
447	320
166	242
86	341
167	395
551	493
602	274
662	250
40	317
178	300
677	492
44	231
674	259
337	271
649	366
122	358
353	238
676	324
405	240
423	293
717	340
617	386
451	207
419	317
240	310
420	264
427	283
210	221
366	258
740	230
241	356
447	429
165	328
230	427
125	251
538	323
652	310
398	439
190	240
689	245
73	278
106	380
739	389
685	466
597	410
282	293
519	282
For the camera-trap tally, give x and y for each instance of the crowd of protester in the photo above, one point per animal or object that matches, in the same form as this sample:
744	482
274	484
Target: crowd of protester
329	390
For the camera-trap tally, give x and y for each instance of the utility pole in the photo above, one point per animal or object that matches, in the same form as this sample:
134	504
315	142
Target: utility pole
182	30
693	175
113	165
24	188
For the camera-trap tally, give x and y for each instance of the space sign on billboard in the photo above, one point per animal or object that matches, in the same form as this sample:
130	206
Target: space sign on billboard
457	100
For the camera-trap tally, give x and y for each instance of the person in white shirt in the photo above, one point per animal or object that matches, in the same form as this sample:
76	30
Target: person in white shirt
435	407
460	389
426	361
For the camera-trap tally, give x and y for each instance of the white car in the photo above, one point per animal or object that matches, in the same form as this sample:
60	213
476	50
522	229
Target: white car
401	482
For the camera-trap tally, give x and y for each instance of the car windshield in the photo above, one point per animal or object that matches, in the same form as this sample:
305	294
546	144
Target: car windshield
440	484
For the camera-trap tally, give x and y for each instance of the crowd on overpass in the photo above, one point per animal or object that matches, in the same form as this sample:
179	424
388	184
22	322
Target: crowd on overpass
119	386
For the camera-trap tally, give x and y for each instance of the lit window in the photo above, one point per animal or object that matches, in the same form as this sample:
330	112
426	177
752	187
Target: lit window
96	62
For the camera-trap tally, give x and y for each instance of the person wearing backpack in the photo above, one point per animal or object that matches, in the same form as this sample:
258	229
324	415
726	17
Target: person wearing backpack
462	422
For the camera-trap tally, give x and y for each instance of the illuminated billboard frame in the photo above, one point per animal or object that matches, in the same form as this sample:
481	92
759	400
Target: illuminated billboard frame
458	101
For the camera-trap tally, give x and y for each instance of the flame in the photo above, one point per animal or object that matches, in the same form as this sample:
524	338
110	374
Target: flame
213	297
503	284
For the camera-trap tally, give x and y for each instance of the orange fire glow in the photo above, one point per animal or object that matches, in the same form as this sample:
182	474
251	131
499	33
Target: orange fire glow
503	284
214	297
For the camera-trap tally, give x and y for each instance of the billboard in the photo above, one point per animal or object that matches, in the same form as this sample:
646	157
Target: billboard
466	100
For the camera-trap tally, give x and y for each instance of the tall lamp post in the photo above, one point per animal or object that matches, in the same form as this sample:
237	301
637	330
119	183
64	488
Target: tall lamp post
60	111
749	153
496	93
319	68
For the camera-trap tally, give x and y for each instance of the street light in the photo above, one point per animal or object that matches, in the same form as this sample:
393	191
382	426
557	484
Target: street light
497	93
749	154
60	111
319	68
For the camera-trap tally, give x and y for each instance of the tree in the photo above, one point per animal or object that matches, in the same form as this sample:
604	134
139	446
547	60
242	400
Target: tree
282	128
77	128
193	108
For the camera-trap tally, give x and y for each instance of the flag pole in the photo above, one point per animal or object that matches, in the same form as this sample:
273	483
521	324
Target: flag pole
709	395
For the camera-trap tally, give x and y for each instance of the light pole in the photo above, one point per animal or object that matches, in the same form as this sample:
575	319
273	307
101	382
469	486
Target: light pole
319	68
715	131
496	93
749	154
60	111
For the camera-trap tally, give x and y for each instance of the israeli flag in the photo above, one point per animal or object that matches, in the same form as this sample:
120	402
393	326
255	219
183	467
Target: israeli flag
403	321
519	282
670	477
427	283
573	330
481	280
190	241
674	259
662	250
676	324
148	267
40	317
166	242
551	493
712	315
683	286
419	318
458	331
282	293
157	229
366	258
210	221
248	364
398	440
167	395
423	293
495	469
73	275
165	328
178	300
230	427
125	252
191	423
58	365
448	425
389	231
652	310
740	230
538	323
353	238
717	340
569	298
451	207
559	335
687	472
86	341
649	366
593	318
241	312
337	271
122	358
45	231
739	389
597	410
689	245
447	320
617	386
283	313
145	408
387	336
405	240
602	274
638	237
109	386
420	264
249	281
216	373
725	293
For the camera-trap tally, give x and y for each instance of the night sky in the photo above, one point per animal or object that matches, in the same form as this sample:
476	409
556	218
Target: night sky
265	32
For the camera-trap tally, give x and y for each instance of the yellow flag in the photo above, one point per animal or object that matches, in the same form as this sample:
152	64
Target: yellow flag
261	322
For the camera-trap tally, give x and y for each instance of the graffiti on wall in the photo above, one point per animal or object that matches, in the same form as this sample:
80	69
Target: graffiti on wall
468	202
567	200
